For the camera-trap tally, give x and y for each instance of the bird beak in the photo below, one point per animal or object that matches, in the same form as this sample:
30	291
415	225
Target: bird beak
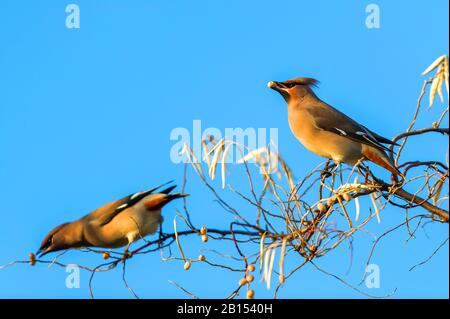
41	252
272	85
277	86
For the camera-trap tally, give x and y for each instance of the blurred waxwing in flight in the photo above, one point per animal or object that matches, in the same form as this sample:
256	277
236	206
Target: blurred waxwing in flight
113	225
327	132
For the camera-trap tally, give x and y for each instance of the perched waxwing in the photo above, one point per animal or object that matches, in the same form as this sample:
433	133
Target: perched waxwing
327	132
113	225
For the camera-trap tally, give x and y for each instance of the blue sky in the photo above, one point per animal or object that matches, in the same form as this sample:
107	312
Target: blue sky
86	115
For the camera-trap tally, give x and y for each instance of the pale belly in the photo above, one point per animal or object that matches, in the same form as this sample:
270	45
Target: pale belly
327	144
128	226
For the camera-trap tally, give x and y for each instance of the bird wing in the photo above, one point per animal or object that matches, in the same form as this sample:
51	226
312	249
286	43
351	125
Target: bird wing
103	215
328	118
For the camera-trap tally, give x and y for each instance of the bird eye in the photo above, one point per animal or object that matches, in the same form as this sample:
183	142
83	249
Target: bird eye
291	85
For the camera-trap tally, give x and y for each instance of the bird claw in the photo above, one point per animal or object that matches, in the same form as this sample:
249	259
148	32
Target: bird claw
328	170
126	255
325	174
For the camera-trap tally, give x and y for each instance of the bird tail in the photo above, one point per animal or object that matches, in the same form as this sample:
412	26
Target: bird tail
158	201
171	197
383	139
174	195
168	189
380	158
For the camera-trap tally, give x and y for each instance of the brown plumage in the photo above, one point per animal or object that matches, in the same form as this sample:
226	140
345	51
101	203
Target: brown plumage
113	225
326	131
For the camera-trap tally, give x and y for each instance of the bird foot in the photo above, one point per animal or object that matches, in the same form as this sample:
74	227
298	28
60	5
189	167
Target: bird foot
126	255
328	170
366	172
325	173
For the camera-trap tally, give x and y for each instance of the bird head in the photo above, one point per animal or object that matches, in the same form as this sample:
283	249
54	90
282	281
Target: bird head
57	239
294	88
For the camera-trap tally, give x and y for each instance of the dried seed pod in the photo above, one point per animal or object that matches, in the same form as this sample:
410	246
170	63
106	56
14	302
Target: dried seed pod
249	278
187	265
433	89
330	201
202	258
205	238
321	207
242	281
434	65
203	230
106	255
281	278
251	268
32	259
250	294
347	197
